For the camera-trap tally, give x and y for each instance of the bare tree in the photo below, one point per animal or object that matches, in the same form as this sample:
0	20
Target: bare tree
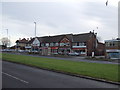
5	41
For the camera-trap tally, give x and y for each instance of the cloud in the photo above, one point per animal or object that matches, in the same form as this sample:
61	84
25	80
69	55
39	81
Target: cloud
55	18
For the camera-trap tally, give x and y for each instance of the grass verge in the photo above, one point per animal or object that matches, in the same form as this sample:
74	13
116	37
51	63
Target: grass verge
102	71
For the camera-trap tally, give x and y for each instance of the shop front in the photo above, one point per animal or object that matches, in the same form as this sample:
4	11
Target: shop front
64	51
81	51
54	50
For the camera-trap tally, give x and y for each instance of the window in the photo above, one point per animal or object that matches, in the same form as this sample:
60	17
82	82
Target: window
51	44
107	44
67	44
47	44
64	44
61	44
56	44
77	43
82	44
74	44
110	44
42	44
113	44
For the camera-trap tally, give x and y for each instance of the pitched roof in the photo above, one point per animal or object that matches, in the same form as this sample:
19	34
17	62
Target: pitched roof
50	39
72	37
57	38
30	41
82	37
22	41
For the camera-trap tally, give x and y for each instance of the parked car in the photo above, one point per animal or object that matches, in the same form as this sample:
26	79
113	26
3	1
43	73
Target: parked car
34	51
55	53
60	53
21	51
73	54
7	50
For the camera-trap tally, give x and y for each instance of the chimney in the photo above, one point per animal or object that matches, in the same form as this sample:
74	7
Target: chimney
93	31
28	39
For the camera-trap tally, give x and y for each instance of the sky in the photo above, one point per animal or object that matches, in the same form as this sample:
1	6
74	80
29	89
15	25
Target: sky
55	17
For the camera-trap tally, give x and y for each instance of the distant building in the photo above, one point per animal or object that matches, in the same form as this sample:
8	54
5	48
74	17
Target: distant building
85	44
113	48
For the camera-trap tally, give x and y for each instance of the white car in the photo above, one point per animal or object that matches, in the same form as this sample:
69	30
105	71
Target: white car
74	54
21	51
34	51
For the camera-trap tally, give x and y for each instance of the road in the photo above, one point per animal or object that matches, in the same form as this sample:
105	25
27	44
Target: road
21	76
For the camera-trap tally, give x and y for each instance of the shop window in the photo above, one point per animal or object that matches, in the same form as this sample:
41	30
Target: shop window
56	44
61	44
51	44
74	44
42	44
47	44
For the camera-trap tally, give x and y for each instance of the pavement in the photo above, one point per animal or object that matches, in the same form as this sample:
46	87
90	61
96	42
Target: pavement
75	58
21	76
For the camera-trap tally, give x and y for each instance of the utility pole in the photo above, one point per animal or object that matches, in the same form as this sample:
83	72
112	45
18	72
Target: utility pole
35	29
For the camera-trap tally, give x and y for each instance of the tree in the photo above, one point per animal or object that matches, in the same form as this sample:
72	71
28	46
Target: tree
5	41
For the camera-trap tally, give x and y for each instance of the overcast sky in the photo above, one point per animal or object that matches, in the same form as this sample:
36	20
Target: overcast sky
59	17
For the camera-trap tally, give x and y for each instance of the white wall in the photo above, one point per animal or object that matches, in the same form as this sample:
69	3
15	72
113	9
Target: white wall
36	42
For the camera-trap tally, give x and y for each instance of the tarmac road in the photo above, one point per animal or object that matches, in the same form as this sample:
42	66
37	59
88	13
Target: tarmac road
21	76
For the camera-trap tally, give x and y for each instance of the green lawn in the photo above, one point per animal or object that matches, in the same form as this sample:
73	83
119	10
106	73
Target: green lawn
102	71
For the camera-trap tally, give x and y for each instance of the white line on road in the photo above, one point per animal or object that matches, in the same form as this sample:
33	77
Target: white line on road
15	77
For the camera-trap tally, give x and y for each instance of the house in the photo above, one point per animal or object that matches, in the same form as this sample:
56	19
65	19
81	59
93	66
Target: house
29	44
113	48
21	43
85	44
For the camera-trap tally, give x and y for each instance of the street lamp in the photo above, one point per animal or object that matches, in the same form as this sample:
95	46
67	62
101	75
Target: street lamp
7	32
35	29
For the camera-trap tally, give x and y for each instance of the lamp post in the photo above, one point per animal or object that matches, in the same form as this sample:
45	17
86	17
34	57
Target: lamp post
35	35
7	32
35	28
7	35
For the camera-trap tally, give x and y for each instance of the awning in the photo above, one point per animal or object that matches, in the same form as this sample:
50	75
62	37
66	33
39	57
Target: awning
54	47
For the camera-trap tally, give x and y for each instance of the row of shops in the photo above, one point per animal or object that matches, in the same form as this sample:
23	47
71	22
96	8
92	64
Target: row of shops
85	44
58	50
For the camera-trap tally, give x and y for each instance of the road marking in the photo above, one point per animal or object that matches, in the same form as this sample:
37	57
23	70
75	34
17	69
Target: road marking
15	77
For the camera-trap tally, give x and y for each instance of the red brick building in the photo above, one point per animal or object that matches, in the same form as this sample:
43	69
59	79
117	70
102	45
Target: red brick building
85	44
